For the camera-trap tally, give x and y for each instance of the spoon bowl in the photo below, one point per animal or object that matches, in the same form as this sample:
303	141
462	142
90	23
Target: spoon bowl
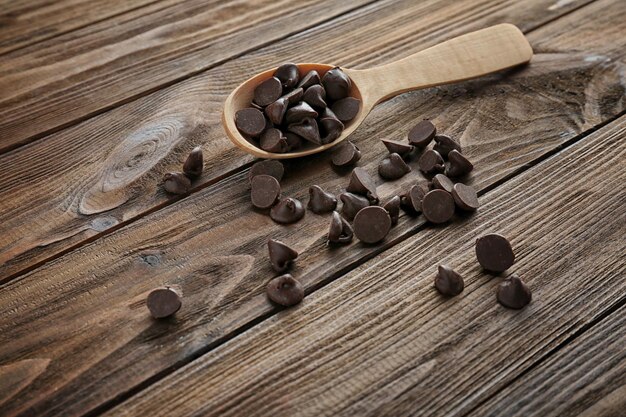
465	57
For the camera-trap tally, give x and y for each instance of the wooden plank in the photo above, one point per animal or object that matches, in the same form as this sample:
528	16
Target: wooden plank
70	310
382	342
94	177
586	379
26	22
106	64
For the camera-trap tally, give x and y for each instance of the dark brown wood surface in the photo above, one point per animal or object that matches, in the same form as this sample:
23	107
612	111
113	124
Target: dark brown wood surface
86	231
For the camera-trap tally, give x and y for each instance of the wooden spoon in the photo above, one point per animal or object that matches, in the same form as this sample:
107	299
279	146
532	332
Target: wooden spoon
468	56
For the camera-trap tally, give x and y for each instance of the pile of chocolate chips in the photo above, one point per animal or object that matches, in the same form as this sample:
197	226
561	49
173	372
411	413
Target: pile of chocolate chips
291	109
180	182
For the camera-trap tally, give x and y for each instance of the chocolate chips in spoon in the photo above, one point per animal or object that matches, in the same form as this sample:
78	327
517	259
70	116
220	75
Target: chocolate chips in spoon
288	74
250	121
285	290
347	108
268	91
281	255
336	83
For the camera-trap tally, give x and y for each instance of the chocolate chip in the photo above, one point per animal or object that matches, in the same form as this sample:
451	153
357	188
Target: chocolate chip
442	182
431	162
163	302
285	290
514	293
345	154
276	111
340	230
458	165
265	191
400	148
293	141
315	96
294	96
448	282
362	183
281	255
311	78
445	144
352	203
300	112
288	210
393	208
320	201
288	74
393	167
336	83
372	224
411	201
273	140
347	108
331	126
438	206
268	167
250	121
465	197
176	183
306	129
422	133
494	252
194	163
268	91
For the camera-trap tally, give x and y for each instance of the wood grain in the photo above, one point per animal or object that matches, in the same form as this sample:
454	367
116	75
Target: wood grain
381	341
26	22
72	309
587	378
73	76
94	177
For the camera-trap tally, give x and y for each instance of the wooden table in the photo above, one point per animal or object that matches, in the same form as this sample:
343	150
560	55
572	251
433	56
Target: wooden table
98	99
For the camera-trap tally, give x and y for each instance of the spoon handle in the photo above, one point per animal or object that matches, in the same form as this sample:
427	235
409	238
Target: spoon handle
468	56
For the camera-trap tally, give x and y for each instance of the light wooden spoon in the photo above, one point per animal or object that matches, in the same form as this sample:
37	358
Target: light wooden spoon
468	56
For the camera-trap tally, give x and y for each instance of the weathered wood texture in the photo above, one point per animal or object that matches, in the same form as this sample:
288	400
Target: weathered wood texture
25	22
381	341
108	63
587	378
88	179
82	316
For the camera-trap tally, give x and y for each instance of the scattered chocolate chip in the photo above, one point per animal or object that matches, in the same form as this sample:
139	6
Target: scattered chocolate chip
194	163
288	210
276	111
442	182
372	224
352	203
268	91
265	191
422	133
514	293
306	129
438	206
331	126
300	112
400	148
315	96
347	108
336	83
494	252
465	197
281	255
393	208
431	162
362	183
273	140
448	282
163	302
288	74
176	183
250	121
411	201
458	165
293	141
340	230
285	290
393	167
320	201
345	154
444	144
311	78
267	167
